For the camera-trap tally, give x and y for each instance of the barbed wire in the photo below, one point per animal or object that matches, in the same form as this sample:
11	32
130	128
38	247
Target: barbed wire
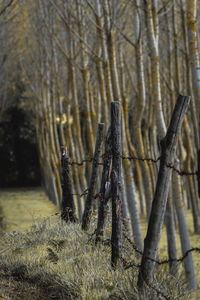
133	264
127	265
108	242
163	262
143	159
85	192
182	173
81	163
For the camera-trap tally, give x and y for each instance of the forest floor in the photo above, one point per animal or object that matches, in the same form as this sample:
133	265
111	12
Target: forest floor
42	258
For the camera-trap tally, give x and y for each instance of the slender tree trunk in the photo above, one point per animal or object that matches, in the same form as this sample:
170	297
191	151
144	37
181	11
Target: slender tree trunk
153	36
131	194
183	230
105	188
171	236
160	199
126	220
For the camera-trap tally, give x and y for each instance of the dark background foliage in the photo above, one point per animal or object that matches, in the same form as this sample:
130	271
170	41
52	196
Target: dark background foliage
19	165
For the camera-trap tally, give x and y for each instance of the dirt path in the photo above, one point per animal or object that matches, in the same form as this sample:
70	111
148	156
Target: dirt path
21	208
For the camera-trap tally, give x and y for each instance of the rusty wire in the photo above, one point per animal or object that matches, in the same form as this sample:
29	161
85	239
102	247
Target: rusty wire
143	159
163	262
127	265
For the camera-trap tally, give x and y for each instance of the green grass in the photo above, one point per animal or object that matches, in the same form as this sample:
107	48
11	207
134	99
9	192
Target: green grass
55	260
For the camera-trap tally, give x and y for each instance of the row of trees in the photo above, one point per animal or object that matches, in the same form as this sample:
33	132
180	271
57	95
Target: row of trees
75	57
7	54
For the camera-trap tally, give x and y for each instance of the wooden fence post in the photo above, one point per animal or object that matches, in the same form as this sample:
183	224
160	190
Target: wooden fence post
168	148
93	180
67	204
116	179
105	188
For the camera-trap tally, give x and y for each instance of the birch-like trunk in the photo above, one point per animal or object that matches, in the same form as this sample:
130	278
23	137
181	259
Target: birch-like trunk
183	230
153	36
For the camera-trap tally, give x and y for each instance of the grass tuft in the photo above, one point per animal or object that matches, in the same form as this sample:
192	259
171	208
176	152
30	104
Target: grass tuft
55	260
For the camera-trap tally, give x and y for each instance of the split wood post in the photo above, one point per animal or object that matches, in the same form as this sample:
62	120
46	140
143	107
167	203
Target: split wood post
105	188
93	179
67	204
168	149
116	181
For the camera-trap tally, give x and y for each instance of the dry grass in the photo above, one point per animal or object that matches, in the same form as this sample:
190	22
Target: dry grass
54	260
59	261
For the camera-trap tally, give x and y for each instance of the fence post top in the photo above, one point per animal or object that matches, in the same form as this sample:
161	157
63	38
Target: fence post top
115	102
63	150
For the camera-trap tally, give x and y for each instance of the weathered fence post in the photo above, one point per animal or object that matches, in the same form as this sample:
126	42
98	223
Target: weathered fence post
116	179
105	188
67	204
168	148
93	180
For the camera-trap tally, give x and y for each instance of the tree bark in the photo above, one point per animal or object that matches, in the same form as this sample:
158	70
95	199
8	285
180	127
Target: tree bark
171	236
105	188
116	180
183	231
93	180
67	204
168	146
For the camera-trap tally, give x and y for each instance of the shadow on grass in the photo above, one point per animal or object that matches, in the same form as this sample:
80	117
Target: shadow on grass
23	285
55	260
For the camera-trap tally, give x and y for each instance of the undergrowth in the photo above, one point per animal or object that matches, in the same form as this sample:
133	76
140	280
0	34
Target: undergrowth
60	261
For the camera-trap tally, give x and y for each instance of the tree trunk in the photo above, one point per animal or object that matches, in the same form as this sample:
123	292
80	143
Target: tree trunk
183	231
171	236
105	188
168	146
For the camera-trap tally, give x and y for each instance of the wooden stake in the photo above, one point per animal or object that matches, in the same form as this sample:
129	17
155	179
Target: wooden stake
67	205
168	147
116	180
93	180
